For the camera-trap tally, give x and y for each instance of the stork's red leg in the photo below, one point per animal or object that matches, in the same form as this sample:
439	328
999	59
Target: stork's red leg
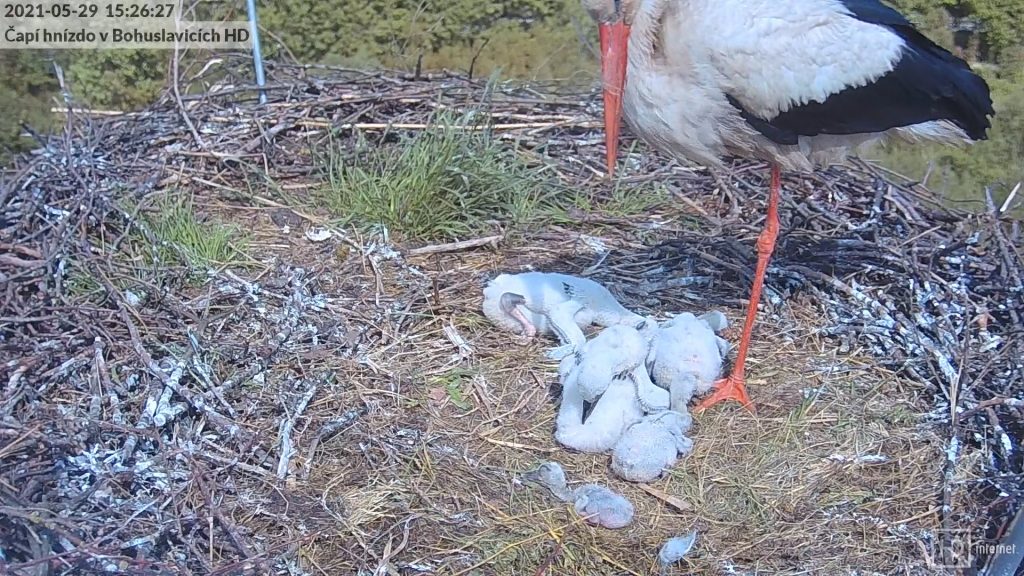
733	388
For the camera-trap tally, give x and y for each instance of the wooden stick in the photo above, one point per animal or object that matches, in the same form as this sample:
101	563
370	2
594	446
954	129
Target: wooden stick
997	401
63	110
454	246
287	449
1009	198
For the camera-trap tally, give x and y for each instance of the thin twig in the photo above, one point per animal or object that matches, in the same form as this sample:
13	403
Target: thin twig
285	434
454	246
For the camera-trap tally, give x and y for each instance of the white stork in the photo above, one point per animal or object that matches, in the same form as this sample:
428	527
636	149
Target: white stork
796	83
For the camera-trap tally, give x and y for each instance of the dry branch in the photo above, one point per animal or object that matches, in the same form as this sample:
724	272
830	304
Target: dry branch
287	450
454	246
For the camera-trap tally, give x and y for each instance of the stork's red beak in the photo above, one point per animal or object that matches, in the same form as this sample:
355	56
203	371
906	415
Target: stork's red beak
614	41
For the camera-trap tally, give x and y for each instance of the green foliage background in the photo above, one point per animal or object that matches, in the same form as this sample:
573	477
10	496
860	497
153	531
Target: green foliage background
526	38
997	54
531	39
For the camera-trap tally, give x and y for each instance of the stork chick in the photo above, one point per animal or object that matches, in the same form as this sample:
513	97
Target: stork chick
533	303
652	445
686	356
615	352
608	371
597	504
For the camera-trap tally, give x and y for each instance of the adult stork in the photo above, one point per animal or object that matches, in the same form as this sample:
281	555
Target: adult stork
795	83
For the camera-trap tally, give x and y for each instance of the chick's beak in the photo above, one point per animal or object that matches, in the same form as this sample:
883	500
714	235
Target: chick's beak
614	42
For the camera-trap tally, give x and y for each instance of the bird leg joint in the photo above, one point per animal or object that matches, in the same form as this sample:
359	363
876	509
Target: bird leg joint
766	240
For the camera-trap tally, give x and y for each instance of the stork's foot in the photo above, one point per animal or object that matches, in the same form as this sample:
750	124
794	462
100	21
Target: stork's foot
731	388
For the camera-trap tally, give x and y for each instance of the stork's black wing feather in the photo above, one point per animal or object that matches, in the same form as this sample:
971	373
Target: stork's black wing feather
875	12
927	83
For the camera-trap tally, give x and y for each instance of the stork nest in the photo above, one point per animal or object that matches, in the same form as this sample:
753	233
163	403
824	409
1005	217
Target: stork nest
334	403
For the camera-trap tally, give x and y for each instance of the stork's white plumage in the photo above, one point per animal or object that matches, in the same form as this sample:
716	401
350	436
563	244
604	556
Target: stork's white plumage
796	83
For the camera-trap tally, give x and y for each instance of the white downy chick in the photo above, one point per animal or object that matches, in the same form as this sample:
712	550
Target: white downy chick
534	303
686	356
597	504
602	506
652	445
614	411
608	371
616	350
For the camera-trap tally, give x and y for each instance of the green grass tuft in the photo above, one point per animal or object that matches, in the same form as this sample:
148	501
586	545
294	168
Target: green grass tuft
449	181
202	243
455	383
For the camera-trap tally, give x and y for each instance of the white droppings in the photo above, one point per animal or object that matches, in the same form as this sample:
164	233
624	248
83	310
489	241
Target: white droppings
861	459
1007	444
318	234
594	243
952	450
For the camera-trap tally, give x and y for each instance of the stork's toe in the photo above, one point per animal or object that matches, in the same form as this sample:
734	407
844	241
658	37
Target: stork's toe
731	388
